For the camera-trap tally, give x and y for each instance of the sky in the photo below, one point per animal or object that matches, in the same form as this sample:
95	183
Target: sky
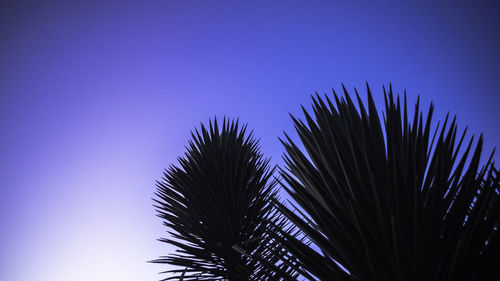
98	97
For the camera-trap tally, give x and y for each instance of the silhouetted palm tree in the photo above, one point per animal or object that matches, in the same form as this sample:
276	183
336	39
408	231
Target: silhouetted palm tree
217	205
389	201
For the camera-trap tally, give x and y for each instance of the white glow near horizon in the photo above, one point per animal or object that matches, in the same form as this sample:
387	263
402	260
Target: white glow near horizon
115	253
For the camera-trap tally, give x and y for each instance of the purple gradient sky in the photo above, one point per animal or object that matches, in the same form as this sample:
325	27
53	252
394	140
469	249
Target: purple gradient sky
96	98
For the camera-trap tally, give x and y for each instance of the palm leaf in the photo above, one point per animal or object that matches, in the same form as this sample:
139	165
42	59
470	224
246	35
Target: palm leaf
216	204
389	200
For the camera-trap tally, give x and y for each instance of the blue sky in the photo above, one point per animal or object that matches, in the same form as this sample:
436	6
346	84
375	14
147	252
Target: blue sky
98	97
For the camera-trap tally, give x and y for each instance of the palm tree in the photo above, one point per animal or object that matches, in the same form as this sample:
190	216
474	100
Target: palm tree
371	200
217	206
389	201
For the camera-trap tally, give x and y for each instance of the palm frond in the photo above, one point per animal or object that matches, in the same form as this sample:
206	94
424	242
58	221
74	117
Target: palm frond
217	205
391	199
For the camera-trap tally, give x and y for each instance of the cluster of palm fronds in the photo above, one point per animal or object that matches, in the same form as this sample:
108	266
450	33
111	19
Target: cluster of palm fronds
371	200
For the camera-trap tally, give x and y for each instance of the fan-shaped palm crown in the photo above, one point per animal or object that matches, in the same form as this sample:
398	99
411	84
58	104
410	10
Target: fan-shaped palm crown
391	200
217	204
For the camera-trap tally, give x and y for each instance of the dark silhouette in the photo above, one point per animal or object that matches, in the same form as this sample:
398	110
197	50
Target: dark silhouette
218	206
391	200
